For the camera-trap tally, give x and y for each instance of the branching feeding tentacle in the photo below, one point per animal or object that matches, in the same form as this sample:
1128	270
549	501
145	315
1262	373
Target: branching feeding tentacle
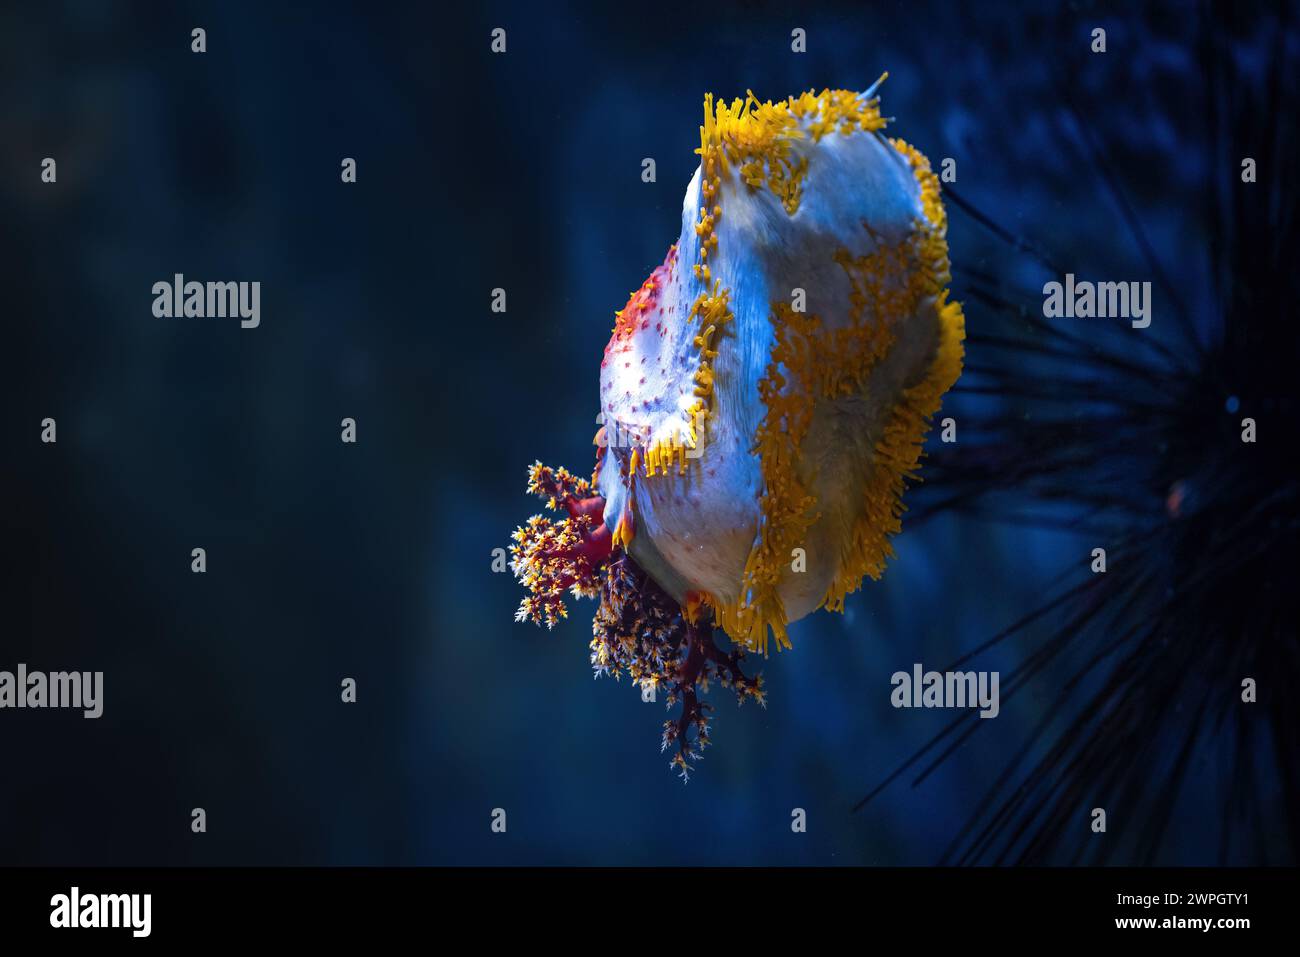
639	629
551	557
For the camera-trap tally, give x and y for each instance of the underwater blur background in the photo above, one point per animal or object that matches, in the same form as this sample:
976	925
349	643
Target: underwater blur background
374	561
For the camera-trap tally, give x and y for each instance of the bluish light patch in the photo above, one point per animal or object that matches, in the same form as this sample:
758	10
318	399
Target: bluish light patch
1232	405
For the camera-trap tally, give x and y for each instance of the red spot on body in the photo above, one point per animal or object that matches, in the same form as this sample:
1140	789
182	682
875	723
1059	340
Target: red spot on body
1174	501
643	300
